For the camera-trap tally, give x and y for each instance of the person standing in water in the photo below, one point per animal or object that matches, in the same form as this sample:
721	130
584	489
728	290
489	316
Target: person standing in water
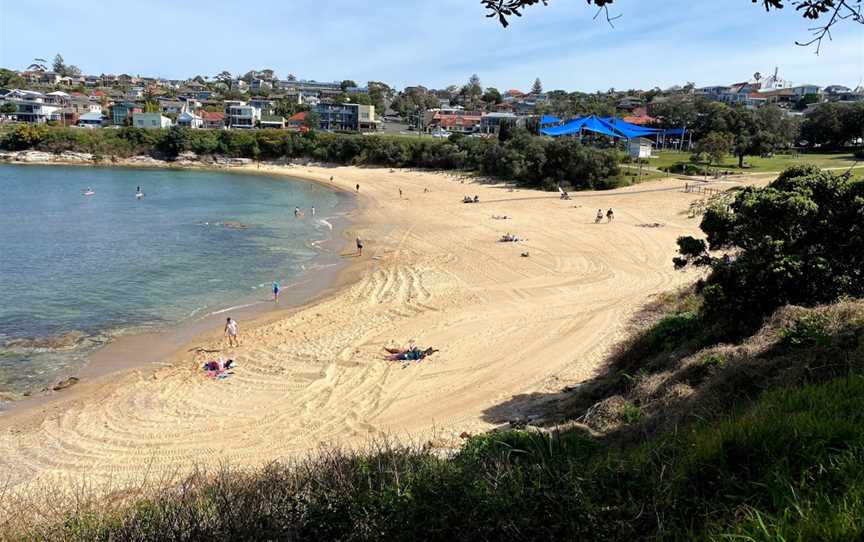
275	292
296	212
313	211
232	332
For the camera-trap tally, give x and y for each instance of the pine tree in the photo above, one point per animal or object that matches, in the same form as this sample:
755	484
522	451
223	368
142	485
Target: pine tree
537	87
59	65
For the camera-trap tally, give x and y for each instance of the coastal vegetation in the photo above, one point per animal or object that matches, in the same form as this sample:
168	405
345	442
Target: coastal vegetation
732	413
523	158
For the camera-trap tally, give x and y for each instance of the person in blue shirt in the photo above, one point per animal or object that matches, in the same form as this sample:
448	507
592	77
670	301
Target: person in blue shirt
275	291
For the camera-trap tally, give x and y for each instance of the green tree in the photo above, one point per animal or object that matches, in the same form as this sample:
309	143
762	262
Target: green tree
537	87
472	92
312	120
174	142
834	124
59	66
798	241
226	78
715	146
347	83
24	136
10	79
492	96
8	108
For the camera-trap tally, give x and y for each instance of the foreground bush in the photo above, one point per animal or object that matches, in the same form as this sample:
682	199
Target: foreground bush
529	160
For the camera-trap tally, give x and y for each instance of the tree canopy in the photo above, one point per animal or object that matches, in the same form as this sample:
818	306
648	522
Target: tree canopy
827	12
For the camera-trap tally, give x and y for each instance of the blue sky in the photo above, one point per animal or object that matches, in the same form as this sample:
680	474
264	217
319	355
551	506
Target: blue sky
431	42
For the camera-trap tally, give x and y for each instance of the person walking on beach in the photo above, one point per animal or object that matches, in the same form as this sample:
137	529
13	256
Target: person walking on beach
231	332
275	292
359	247
357	188
599	216
610	215
400	193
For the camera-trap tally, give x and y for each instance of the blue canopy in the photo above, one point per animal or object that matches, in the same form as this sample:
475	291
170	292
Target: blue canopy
572	127
546	120
609	126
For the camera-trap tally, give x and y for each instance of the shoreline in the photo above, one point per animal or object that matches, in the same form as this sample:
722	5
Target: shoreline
149	350
511	333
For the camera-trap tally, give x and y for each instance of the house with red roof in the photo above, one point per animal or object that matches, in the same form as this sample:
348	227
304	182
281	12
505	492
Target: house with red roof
214	120
297	122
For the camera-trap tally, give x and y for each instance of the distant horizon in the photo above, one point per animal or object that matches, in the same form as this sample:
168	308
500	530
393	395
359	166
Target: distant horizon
650	46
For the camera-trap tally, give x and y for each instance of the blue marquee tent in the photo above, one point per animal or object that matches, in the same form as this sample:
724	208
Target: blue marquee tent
608	126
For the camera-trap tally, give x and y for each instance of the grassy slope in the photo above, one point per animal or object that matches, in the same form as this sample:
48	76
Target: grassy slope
767	444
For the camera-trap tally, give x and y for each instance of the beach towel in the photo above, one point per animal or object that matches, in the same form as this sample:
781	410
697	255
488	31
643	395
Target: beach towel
218	370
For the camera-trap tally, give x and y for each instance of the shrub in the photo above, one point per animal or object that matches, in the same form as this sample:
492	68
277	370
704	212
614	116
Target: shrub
797	241
672	331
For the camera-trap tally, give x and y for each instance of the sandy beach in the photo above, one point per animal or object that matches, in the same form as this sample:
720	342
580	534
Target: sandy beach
510	330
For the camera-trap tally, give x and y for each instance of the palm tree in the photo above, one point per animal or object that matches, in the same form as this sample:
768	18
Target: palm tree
39	65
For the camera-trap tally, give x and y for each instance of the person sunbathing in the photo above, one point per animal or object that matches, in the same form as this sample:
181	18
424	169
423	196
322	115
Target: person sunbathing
507	238
411	354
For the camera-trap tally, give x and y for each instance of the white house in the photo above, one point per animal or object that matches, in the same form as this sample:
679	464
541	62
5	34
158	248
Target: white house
135	93
32	106
189	119
90	120
150	120
240	114
172	106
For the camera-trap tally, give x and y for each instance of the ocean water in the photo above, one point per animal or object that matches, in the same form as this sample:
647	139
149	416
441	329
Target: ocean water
77	270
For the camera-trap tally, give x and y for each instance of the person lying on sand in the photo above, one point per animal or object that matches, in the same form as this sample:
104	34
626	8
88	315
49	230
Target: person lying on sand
499	217
411	354
507	238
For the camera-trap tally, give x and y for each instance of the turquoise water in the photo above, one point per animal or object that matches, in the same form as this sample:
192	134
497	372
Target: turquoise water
77	270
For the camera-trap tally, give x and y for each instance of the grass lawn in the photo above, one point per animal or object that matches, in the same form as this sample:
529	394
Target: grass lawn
778	162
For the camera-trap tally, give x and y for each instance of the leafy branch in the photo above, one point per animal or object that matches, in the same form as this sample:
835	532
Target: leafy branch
835	10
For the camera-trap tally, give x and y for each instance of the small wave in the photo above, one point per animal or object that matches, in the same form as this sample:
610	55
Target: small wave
235	308
324	222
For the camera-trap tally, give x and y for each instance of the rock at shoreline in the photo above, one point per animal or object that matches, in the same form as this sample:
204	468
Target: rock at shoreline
67	383
65	340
